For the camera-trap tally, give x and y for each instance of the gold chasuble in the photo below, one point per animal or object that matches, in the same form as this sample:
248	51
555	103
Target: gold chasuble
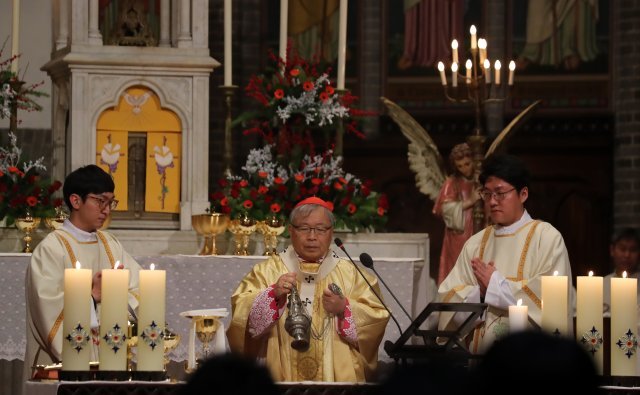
536	249
44	287
329	357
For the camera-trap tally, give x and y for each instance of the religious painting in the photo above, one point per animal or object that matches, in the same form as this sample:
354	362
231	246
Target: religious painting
163	172
129	22
112	157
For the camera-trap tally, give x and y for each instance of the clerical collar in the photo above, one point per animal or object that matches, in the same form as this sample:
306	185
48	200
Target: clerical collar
513	228
78	233
302	260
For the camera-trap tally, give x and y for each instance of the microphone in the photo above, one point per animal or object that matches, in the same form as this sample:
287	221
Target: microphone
367	261
341	246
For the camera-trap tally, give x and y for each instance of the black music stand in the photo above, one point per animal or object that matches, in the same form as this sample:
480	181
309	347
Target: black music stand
438	344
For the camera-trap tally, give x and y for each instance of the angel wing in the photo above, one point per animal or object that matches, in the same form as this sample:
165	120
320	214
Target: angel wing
500	142
424	158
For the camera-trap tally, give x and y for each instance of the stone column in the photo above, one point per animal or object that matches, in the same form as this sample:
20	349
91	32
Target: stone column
184	40
626	99
63	24
165	20
95	38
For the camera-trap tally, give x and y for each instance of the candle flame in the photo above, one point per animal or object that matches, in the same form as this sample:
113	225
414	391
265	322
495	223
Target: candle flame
440	66
590	273
624	274
487	64
152	266
512	65
454	44
472	29
454	67
78	265
118	265
497	65
555	273
468	64
519	302
482	43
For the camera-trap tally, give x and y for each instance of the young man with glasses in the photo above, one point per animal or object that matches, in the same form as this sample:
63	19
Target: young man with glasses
347	321
504	262
88	193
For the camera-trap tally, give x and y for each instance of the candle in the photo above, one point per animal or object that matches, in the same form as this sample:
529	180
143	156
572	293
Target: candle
474	40
518	317
482	45
76	325
454	75
113	319
487	71
227	43
624	299
15	35
468	66
454	50
555	291
151	319
284	20
589	323
512	70
497	66
342	43
443	77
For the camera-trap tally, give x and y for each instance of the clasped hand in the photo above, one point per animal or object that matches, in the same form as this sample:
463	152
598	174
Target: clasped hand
483	272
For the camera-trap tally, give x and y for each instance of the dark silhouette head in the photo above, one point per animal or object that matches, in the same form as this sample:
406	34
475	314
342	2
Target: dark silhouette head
508	168
86	180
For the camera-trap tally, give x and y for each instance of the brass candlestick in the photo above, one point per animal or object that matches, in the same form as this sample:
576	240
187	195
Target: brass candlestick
229	92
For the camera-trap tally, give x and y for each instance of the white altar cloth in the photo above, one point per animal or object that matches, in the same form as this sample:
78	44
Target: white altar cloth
199	282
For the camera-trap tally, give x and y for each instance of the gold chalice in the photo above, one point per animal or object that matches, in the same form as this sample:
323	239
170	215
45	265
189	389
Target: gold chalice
132	341
271	228
171	341
209	225
27	224
56	222
206	327
241	229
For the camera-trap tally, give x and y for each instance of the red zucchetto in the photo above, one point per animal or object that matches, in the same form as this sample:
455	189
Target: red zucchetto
317	201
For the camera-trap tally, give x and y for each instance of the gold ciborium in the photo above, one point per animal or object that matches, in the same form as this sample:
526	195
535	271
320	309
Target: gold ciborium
241	229
271	228
27	224
171	341
206	327
209	225
56	222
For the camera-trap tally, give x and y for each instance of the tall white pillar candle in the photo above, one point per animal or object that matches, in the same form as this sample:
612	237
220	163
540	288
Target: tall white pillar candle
512	70
454	51
474	37
482	46
624	317
342	43
555	295
454	75
76	325
15	35
487	71
497	66
468	65
589	322
114	319
151	319
443	76
227	43
518	317
284	20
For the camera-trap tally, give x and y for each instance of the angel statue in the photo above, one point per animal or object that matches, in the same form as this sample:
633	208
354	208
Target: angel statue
454	196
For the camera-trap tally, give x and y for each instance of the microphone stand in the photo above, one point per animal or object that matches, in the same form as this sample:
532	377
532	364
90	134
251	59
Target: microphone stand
367	261
341	246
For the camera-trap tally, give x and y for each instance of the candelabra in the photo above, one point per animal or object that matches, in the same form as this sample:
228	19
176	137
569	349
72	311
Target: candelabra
480	90
229	92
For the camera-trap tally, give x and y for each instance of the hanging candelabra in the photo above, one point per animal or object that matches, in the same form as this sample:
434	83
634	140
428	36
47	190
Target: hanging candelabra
481	85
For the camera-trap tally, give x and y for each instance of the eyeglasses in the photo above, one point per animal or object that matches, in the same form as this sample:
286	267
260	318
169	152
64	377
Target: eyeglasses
499	196
103	203
320	230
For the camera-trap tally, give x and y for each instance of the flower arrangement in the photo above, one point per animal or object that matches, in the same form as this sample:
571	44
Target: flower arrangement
23	189
271	185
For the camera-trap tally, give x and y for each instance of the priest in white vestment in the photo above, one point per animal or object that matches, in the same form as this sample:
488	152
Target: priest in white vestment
347	319
88	192
505	261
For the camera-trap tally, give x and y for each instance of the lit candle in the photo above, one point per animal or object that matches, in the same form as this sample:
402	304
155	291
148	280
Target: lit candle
151	319
227	43
589	323
474	39
284	20
454	50
443	77
512	71
497	66
454	75
113	319
76	325
15	35
487	71
555	293
482	45
518	317
342	43
624	316
468	66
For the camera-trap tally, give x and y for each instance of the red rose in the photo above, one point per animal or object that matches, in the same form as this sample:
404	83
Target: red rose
337	186
298	177
275	208
262	174
351	208
13	169
316	181
247	204
278	94
383	202
329	89
32	201
235	193
294	72
380	211
278	180
262	189
224	202
244	183
307	86
342	180
324	97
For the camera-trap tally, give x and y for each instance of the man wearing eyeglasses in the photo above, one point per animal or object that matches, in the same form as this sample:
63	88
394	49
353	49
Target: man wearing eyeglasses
88	193
347	320
504	262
